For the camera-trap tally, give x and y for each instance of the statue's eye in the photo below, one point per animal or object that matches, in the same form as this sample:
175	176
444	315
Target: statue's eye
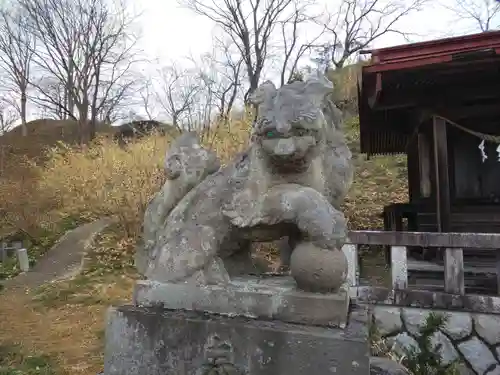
299	131
270	134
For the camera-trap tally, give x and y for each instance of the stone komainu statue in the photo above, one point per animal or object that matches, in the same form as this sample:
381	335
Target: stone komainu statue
291	182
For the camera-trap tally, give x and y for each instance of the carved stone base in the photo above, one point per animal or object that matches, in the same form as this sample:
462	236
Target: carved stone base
156	341
254	326
273	297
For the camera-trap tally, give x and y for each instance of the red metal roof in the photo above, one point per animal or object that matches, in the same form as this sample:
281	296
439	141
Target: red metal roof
431	52
400	81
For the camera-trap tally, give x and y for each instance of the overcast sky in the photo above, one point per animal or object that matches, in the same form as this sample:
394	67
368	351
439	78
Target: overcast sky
171	32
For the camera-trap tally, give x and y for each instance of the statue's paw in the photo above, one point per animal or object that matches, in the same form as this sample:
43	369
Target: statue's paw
323	225
241	209
235	217
314	216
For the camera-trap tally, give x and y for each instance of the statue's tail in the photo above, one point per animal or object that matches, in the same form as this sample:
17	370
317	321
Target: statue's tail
190	256
187	164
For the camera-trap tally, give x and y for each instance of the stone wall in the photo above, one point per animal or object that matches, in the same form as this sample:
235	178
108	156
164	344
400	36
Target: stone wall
472	338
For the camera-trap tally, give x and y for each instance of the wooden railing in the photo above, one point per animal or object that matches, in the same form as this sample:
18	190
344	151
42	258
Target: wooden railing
452	243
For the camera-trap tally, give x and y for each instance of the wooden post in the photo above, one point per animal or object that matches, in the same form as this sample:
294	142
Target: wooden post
413	167
424	165
3	252
442	177
351	254
399	267
498	270
454	271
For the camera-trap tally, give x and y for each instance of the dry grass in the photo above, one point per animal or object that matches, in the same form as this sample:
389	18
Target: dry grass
72	336
65	320
104	179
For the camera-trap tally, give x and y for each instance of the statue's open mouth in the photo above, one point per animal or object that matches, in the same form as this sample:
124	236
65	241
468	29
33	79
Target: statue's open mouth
289	149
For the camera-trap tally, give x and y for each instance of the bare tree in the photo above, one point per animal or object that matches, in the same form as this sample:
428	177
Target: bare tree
356	24
53	25
8	114
251	25
16	51
49	97
293	49
484	15
114	98
221	73
176	94
87	46
147	95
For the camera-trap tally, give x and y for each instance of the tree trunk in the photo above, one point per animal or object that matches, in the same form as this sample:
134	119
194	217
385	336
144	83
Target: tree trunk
69	87
84	124
24	129
93	122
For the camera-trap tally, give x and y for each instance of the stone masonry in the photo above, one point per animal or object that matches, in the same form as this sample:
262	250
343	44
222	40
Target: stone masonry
473	339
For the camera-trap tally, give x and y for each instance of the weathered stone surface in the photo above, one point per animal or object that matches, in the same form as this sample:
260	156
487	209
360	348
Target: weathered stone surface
387	319
156	342
464	370
488	328
318	270
290	182
477	354
386	366
495	371
268	298
458	325
425	299
404	342
414	320
446	350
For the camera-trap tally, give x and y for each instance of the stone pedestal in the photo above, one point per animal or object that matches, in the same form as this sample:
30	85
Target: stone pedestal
253	327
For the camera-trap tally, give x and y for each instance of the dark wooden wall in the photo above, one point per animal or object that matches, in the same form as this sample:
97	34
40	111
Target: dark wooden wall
472	177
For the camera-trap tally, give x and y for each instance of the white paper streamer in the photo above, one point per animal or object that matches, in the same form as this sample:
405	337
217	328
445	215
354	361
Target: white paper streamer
483	154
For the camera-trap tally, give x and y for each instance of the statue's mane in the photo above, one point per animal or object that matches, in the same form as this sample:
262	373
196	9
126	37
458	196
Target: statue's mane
333	115
297	100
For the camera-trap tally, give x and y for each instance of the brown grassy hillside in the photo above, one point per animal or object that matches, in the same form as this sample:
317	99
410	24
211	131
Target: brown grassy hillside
22	203
42	134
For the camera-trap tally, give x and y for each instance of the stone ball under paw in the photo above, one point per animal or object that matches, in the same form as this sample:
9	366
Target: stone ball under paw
318	270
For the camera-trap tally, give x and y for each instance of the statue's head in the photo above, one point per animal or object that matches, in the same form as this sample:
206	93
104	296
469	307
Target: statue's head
291	120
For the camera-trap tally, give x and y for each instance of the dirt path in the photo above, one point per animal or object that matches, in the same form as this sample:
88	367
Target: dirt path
63	260
69	333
